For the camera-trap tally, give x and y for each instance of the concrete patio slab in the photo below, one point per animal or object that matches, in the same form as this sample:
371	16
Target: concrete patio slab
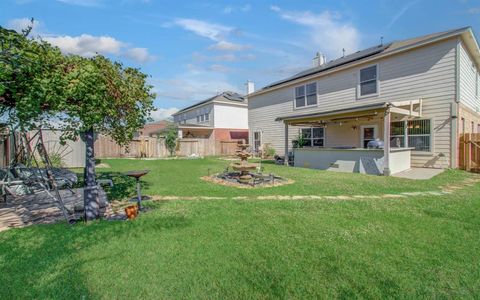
419	173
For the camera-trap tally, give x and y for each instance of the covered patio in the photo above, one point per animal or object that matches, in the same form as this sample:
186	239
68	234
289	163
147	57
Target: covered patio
367	139
194	131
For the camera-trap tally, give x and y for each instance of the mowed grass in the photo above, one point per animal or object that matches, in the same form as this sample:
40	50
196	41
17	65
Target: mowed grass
416	247
182	178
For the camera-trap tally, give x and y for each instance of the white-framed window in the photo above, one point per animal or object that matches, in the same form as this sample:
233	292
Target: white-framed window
397	134
198	119
207	117
368	81
202	118
368	133
416	134
314	136
257	140
306	95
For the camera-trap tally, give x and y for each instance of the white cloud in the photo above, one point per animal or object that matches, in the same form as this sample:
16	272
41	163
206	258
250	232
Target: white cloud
198	57
211	31
89	3
163	113
275	8
139	54
231	9
228	46
22	23
215	32
228	10
327	31
219	68
193	85
474	11
86	45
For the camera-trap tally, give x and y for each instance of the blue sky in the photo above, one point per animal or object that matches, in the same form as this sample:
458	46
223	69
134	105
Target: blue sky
195	49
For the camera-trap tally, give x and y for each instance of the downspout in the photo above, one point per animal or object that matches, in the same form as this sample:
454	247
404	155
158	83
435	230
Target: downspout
454	111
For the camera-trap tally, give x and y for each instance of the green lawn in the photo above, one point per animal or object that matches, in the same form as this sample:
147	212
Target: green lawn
181	178
416	247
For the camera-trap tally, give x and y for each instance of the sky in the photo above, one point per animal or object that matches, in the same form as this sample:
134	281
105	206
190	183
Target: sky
193	50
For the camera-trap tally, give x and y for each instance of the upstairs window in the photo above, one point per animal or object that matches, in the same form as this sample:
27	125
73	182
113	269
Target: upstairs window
207	117
314	137
306	95
368	81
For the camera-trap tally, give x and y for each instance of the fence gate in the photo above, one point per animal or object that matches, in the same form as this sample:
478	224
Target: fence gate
469	152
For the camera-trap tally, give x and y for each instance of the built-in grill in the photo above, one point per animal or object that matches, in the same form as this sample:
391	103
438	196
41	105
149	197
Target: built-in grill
377	144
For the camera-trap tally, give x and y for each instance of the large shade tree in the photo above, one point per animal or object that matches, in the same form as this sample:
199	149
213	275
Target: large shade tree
82	96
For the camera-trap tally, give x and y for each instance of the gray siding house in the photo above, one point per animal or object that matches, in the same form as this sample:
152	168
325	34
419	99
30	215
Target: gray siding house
413	96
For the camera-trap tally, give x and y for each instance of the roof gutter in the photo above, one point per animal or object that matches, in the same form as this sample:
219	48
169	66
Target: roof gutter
359	62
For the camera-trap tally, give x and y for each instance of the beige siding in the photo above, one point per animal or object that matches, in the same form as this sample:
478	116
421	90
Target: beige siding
427	73
468	81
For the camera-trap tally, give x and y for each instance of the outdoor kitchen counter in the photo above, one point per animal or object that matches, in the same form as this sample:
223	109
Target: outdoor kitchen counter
350	149
358	160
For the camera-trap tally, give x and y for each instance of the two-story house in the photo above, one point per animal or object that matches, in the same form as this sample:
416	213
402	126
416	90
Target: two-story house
412	97
221	117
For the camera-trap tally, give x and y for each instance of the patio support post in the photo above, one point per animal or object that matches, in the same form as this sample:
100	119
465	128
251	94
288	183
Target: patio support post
386	143
286	145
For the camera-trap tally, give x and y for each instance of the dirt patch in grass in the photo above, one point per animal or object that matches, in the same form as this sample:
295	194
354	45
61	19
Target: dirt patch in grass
216	180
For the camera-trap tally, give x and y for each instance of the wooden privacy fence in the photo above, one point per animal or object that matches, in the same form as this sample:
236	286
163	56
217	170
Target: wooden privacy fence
152	147
142	147
192	146
228	148
469	152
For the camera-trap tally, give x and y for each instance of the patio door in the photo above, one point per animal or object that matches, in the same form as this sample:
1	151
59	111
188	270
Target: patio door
368	133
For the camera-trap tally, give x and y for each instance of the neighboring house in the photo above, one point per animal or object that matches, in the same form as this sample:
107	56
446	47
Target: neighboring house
154	129
220	118
418	94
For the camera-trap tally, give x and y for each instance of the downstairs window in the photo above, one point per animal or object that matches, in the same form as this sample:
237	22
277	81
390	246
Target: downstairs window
413	133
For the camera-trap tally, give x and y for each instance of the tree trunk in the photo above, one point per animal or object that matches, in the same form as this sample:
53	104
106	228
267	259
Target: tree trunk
91	202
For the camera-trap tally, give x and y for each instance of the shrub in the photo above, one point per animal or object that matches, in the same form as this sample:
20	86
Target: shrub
269	151
171	139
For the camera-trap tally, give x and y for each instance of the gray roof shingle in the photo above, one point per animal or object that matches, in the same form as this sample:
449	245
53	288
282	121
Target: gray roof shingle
224	96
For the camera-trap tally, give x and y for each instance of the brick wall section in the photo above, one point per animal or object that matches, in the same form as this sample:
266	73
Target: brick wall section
466	117
227	134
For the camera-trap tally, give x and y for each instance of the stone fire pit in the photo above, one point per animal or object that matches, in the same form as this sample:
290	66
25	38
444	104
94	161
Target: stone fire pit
246	174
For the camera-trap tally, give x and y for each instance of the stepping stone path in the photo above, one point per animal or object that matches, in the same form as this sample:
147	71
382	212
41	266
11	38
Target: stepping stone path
444	190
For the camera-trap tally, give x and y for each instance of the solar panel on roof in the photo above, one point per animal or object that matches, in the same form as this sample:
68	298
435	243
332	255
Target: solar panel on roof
334	63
